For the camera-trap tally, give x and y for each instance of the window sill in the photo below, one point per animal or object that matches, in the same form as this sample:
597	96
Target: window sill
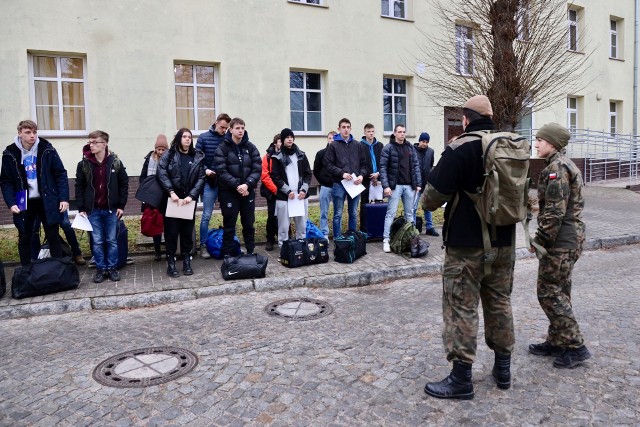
63	133
397	19
616	59
575	51
309	133
324	6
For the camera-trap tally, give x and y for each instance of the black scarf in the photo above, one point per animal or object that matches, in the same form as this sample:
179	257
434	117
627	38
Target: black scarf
288	152
484	123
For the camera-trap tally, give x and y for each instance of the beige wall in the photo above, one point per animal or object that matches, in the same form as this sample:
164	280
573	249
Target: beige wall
131	47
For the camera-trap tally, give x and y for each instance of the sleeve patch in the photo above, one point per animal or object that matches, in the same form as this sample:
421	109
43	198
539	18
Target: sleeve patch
553	175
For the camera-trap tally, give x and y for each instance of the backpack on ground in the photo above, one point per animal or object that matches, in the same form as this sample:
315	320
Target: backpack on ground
214	243
313	230
504	195
350	246
402	231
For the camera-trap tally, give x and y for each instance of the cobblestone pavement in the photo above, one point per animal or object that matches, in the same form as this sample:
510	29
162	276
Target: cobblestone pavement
608	215
365	364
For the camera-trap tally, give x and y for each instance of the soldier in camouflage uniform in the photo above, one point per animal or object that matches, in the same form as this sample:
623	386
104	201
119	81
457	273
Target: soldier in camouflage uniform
561	233
465	282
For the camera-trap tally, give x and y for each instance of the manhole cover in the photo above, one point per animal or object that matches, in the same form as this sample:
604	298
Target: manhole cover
145	367
299	309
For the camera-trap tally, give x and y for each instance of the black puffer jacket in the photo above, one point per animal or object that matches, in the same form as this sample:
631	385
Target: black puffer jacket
344	157
237	164
279	174
389	166
169	174
425	157
320	171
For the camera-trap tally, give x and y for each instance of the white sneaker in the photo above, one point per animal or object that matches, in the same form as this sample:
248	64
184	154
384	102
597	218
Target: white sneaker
385	246
204	253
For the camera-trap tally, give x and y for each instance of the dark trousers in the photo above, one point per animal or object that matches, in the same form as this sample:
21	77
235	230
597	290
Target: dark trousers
272	220
157	243
364	199
232	204
25	223
178	227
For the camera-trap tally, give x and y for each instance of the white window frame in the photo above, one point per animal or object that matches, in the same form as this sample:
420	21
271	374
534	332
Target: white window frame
59	80
613	117
195	85
614	40
523	22
572	112
310	2
573	38
464	45
304	91
390	9
393	96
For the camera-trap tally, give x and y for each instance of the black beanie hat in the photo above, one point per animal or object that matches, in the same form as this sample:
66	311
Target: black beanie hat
286	132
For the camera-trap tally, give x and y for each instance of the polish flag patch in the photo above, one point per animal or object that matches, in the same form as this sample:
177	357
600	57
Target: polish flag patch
553	175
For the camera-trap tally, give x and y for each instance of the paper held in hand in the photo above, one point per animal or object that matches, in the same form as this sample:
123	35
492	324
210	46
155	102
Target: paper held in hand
375	192
352	189
295	207
183	212
81	222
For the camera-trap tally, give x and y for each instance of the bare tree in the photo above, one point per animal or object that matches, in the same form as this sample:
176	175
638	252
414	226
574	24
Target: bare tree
514	51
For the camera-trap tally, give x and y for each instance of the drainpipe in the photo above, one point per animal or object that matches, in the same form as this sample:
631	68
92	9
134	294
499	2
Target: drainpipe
635	70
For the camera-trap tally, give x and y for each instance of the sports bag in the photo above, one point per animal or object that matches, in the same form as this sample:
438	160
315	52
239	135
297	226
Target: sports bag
292	253
214	243
400	241
252	266
350	246
419	247
44	276
316	250
313	230
152	222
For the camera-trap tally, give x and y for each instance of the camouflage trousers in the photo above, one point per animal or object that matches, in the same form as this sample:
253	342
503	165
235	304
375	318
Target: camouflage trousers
554	295
464	285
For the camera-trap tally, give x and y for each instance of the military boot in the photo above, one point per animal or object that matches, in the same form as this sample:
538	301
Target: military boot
171	266
186	266
457	385
502	370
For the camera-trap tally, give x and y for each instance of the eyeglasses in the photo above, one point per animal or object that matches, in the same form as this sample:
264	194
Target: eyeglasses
96	142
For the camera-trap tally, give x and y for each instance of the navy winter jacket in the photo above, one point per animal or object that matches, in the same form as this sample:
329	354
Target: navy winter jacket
344	157
425	157
208	143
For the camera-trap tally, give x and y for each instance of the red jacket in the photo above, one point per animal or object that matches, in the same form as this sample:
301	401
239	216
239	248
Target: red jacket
265	177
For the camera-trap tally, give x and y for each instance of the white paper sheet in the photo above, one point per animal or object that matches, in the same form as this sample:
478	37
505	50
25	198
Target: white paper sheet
81	223
375	192
295	207
352	189
183	212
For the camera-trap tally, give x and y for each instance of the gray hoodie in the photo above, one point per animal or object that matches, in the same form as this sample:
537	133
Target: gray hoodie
29	161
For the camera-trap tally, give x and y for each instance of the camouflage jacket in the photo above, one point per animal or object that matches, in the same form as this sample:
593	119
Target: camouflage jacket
560	224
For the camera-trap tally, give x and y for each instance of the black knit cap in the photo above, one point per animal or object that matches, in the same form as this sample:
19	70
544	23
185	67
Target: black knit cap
286	132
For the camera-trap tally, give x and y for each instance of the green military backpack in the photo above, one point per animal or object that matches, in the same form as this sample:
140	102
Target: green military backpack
402	231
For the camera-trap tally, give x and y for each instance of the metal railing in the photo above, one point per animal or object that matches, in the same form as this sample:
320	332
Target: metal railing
606	156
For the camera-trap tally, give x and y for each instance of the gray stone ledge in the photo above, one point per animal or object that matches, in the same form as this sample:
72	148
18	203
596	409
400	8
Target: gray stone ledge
611	242
231	288
45	308
142	300
276	283
329	281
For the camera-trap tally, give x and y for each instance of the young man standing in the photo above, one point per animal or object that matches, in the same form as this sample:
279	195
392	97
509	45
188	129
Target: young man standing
34	185
343	160
400	176
425	157
326	184
238	165
372	152
102	188
208	143
561	232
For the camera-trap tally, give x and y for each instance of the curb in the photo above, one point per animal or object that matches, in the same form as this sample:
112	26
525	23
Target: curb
331	281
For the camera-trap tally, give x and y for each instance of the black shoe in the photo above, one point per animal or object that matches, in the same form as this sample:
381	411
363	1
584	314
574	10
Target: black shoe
457	385
572	357
114	275
100	276
545	349
502	371
186	266
171	266
157	256
269	246
432	232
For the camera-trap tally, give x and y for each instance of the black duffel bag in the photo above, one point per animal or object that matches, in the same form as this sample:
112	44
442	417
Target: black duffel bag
44	276
252	266
350	246
292	253
316	250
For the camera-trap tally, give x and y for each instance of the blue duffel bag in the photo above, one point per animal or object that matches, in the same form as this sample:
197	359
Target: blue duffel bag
214	244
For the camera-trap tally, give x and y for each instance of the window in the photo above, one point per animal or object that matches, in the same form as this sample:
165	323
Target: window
195	96
572	113
58	93
573	30
613	32
394	100
394	8
464	50
305	101
318	2
613	117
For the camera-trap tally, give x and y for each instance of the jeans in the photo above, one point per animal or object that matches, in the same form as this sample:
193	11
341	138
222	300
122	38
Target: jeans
103	222
339	194
209	196
325	201
428	220
406	193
